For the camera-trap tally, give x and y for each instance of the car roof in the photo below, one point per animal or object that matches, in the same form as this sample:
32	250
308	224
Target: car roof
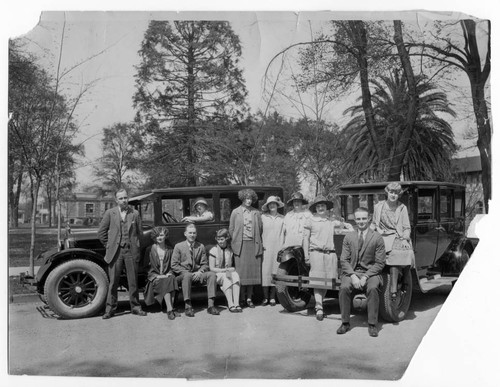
404	184
200	190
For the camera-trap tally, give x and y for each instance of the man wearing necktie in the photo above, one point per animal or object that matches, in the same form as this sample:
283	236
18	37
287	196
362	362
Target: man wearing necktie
190	264
120	232
362	261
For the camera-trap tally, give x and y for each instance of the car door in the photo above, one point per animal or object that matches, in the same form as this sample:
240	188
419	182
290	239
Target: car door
447	223
427	227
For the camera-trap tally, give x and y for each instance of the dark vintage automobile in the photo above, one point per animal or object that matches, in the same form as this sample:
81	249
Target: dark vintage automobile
73	280
436	211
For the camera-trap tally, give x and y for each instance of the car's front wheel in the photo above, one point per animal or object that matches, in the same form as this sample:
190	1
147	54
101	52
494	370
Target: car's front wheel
290	297
76	289
395	310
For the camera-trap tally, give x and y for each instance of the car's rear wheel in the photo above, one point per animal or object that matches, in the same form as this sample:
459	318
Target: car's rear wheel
76	289
396	310
290	297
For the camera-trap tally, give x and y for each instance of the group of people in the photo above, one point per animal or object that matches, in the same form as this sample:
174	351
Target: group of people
244	255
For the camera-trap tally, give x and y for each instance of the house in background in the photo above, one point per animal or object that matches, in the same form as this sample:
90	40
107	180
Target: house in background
85	208
468	171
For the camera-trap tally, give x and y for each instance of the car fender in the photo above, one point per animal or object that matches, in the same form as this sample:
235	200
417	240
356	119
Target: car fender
294	252
453	259
53	258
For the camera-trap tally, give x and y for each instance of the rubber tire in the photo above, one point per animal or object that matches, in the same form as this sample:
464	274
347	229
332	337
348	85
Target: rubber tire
395	311
289	296
92	270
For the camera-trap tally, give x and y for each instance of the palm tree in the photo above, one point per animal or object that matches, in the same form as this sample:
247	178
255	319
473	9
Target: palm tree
432	143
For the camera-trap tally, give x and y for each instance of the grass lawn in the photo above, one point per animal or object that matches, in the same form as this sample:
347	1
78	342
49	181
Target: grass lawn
19	247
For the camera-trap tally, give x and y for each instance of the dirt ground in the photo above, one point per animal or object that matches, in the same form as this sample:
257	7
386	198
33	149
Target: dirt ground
265	343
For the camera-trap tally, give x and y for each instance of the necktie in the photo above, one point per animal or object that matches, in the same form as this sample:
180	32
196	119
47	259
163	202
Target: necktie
360	241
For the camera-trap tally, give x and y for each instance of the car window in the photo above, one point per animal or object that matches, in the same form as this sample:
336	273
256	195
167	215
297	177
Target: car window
458	206
147	213
172	210
225	209
426	206
446	204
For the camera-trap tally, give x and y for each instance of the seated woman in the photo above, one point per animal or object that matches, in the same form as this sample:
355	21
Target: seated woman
161	284
390	219
221	262
202	214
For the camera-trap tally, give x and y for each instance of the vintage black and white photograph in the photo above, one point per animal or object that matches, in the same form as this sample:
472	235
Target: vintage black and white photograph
211	195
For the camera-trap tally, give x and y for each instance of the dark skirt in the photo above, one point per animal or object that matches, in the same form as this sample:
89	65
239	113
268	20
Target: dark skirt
157	289
248	265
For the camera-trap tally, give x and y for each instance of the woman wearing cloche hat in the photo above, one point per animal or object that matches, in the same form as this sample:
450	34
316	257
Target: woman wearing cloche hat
319	248
272	239
293	224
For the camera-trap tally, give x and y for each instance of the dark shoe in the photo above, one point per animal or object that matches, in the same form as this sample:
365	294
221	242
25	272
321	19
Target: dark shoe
189	312
372	330
176	313
171	315
139	312
250	304
107	315
344	328
238	309
320	315
233	309
272	302
213	310
264	302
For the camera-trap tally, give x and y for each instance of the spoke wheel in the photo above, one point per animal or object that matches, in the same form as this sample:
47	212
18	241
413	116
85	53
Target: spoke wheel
76	289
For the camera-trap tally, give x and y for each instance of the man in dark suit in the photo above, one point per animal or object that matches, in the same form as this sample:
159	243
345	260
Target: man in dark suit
190	264
362	261
120	232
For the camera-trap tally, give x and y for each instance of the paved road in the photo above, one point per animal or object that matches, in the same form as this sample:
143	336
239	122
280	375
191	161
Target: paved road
265	342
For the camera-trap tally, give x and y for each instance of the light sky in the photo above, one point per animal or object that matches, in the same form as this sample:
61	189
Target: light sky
462	346
118	36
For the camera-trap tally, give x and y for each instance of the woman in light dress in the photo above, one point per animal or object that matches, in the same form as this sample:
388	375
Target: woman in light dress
272	241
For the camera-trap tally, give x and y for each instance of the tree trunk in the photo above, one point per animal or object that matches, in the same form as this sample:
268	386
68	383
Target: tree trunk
49	204
358	37
35	188
403	142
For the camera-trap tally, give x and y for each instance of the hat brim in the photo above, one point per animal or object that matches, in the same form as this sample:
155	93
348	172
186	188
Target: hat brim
290	202
201	202
280	205
329	205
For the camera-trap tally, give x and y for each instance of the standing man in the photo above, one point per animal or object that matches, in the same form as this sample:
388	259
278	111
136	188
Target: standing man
362	261
190	264
120	232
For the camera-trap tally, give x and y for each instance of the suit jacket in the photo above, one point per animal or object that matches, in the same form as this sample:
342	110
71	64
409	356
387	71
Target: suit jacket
109	232
236	230
182	261
371	257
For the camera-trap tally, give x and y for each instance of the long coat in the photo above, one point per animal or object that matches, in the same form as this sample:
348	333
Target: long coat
110	232
236	230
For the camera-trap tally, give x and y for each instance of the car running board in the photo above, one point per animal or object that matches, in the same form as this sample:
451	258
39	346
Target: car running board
428	283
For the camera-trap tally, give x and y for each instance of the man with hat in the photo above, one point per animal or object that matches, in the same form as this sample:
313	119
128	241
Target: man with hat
319	248
362	261
293	223
202	214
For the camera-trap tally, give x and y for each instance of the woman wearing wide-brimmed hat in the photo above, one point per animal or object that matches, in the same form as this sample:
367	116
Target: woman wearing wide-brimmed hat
391	220
245	228
201	213
319	248
272	240
293	224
